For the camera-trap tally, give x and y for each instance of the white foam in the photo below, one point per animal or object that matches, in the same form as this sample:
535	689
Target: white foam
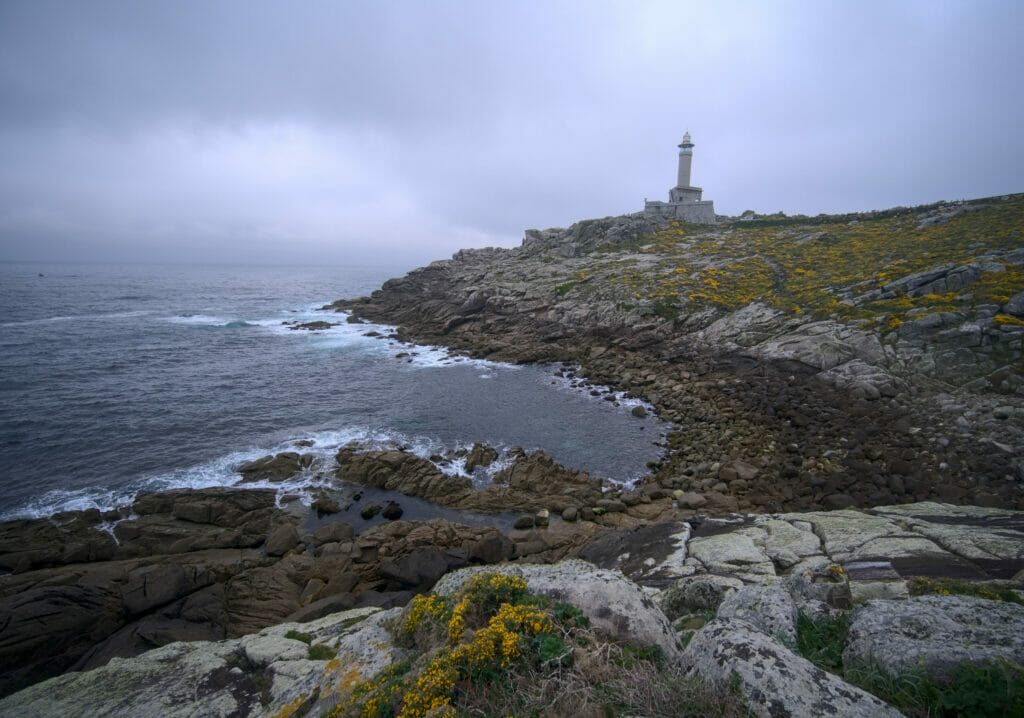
583	388
198	319
76	318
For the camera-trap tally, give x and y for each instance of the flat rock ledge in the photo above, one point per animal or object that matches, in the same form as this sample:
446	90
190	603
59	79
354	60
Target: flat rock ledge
753	574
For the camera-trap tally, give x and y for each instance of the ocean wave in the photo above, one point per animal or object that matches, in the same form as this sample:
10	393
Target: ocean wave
75	318
223	471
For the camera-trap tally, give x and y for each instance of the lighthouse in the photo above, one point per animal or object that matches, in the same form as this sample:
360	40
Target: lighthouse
685	161
684	200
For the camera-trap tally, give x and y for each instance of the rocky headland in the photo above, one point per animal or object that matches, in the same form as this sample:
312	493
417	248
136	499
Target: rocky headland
845	397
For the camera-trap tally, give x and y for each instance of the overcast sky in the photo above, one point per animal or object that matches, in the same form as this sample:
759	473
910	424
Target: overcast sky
348	132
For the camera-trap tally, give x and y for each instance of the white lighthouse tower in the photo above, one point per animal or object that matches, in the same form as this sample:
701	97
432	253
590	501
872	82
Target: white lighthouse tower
684	200
685	161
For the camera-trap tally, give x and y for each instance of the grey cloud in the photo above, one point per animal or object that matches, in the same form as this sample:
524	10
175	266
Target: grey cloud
321	130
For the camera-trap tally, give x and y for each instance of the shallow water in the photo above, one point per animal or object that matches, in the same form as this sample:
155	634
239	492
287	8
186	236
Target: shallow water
118	379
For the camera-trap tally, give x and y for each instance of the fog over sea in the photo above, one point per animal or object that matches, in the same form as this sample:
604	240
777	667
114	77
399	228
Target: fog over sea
116	379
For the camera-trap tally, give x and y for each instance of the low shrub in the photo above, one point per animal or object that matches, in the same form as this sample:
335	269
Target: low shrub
496	650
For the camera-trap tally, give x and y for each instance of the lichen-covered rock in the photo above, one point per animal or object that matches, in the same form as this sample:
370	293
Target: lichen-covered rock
262	674
938	631
769	607
697	593
732	554
613	603
984	535
774	681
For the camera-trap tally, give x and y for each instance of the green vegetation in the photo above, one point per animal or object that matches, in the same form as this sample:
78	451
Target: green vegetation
496	650
296	636
989	689
563	289
820	640
921	586
321	652
823	266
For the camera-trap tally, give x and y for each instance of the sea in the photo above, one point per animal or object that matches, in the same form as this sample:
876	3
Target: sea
121	379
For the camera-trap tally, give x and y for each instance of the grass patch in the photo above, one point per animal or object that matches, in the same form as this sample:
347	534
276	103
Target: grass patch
821	640
986	690
297	636
321	652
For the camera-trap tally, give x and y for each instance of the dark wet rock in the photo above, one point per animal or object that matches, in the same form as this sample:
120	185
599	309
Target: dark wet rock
275	468
423	567
368	512
94	611
639	412
523	522
392	511
324	505
400	471
314	326
480	455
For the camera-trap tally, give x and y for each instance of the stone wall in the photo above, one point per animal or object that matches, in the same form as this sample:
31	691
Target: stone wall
694	212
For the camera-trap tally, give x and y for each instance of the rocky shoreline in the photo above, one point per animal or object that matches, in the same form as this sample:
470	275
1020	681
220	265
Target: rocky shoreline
814	464
770	413
719	595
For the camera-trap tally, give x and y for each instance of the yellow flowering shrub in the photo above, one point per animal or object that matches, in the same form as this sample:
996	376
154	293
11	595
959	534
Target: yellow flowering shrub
816	266
496	605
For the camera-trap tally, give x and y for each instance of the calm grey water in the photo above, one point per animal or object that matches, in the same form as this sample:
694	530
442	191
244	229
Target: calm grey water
116	379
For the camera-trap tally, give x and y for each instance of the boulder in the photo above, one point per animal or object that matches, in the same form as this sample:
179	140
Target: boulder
337	531
523	522
698	593
937	631
324	505
1015	305
282	540
392	511
493	548
480	455
773	680
401	471
275	468
421	568
770	608
261	597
